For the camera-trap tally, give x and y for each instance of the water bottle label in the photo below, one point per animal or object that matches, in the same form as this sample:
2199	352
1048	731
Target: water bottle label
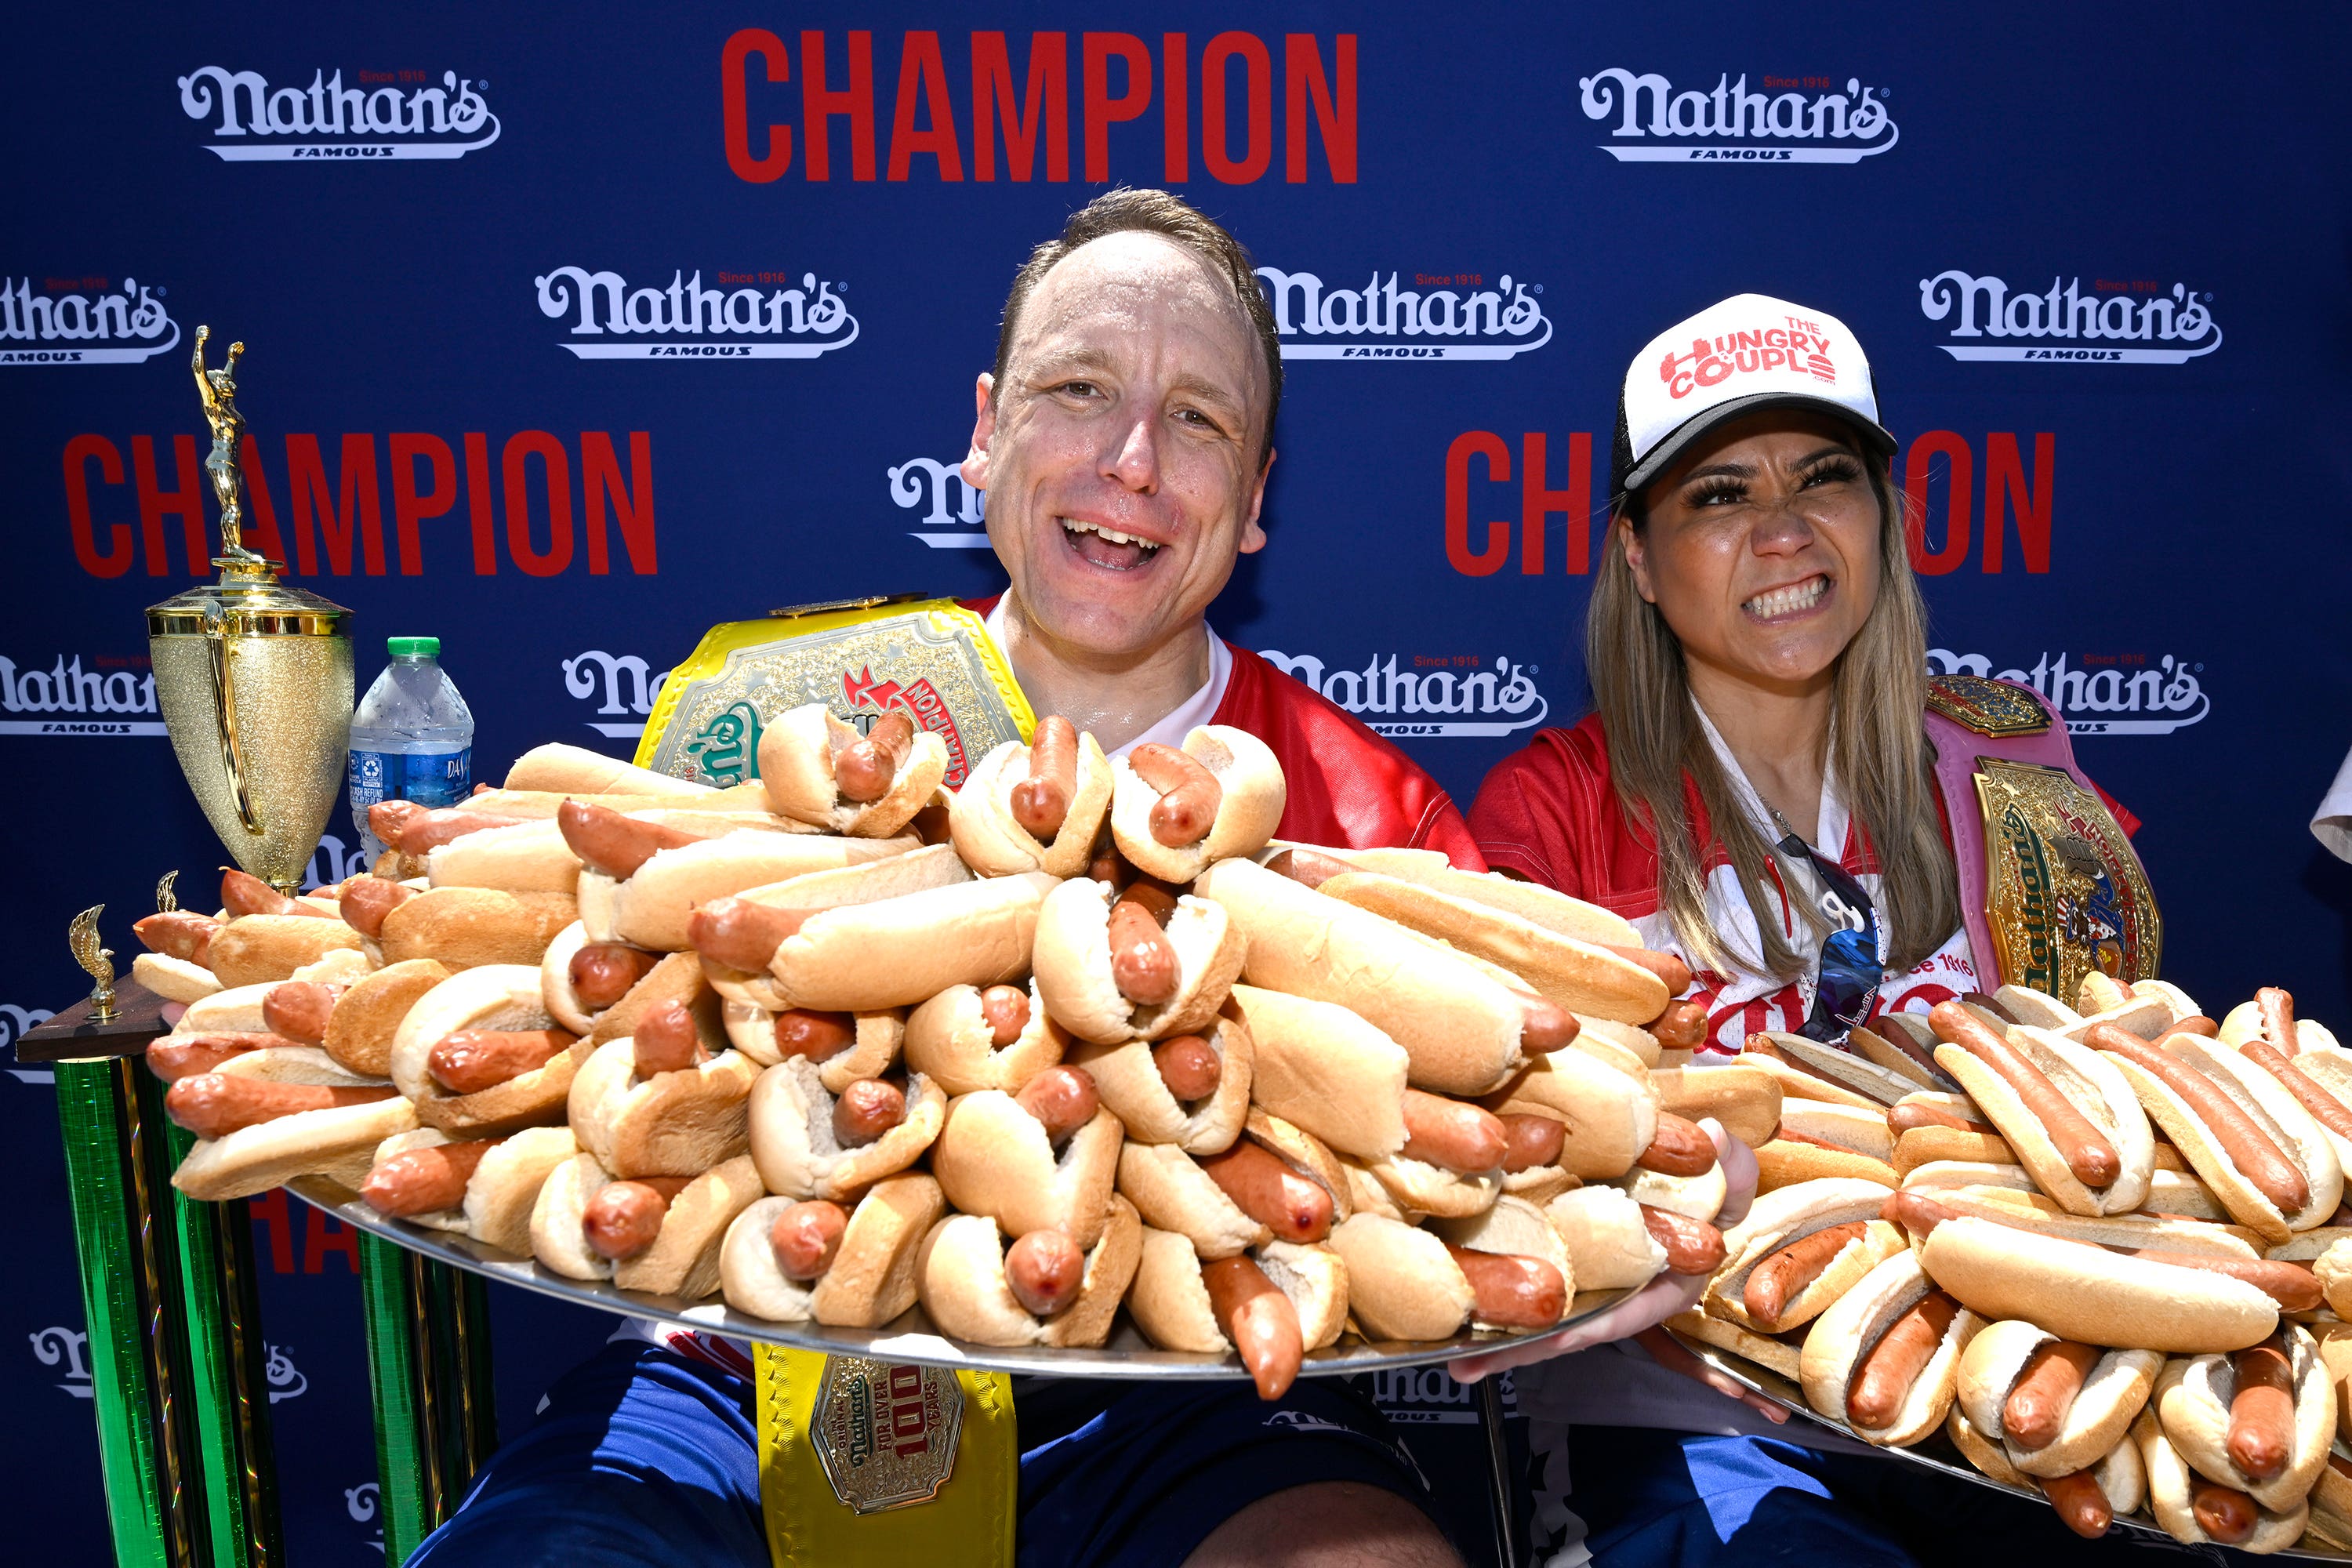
440	778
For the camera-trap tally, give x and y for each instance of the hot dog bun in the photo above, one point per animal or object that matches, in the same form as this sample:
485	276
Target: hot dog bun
2171	1484
984	831
650	907
671	1124
174	979
872	1277
1788	1215
559	769
793	1139
463	927
503	1189
366	1019
1171	1190
253	949
2096	1299
1611	1118
1844	1334
1250	807
994	1158
526	856
873	1049
1401	1284
2091	1083
1170	1304
966	933
1745	1100
683	1261
796	757
2192	1402
1072	957
338	1142
1130	1084
2120	1473
965	1291
487	996
1609	1245
1325	1070
2112	1393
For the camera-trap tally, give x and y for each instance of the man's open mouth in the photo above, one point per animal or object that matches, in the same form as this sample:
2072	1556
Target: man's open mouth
1107	548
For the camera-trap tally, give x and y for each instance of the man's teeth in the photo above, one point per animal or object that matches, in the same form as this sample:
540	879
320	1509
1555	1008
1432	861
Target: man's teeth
1112	534
1786	601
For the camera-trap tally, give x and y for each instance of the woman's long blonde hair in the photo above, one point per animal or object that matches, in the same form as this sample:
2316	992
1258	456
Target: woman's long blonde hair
1880	752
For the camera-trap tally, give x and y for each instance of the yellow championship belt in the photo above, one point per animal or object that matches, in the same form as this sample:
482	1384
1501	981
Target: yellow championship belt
861	1461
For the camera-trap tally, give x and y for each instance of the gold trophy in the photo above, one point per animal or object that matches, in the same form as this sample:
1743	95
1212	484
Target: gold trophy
253	678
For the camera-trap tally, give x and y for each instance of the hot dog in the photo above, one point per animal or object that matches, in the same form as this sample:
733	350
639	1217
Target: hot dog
625	1218
1680	1149
1800	1247
668	1039
805	1236
2249	1146
2044	1391
2325	1109
1290	1206
1885	1355
1903	1118
174	1057
1132	962
299	1009
1681	1028
1045	1268
1190	1068
741	934
421	1181
1062	1098
1451	1135
1783	1274
1693	1245
818	770
419	833
1512	1292
2275	1007
1505	1268
472	1060
819	1036
2261	1411
177	933
367	900
864	770
1259	1320
1041	803
848	1264
867	1109
1175	810
1042	1289
1188	793
608	842
1141	962
1531	1142
1307	868
214	1104
1005	1009
242	893
2085	1149
1888	1370
602	972
2224	1513
1671	970
2082	1506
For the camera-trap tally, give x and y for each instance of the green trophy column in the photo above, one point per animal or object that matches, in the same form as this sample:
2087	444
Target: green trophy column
429	1362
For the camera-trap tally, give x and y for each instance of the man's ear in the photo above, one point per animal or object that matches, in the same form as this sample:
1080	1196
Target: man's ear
1636	556
1254	531
983	429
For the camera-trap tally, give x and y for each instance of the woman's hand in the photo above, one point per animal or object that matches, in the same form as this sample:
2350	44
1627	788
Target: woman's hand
1652	1304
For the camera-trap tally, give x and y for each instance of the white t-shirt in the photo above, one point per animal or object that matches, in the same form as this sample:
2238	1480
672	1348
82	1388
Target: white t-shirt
1194	710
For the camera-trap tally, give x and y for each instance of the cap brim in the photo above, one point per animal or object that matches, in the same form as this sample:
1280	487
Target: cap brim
1663	456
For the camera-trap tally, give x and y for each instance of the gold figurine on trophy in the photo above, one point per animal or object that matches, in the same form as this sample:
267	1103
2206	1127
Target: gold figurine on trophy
253	678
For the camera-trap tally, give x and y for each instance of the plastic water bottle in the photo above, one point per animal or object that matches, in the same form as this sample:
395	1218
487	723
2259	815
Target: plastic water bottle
412	738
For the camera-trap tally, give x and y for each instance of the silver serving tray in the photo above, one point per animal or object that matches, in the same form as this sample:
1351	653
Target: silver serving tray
1937	1453
910	1336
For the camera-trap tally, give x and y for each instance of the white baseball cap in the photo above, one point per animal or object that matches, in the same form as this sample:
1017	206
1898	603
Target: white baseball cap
1747	352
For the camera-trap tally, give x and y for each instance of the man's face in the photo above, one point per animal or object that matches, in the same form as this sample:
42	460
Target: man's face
1120	455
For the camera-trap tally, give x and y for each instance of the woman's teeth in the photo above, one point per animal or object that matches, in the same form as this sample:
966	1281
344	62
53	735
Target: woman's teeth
1787	601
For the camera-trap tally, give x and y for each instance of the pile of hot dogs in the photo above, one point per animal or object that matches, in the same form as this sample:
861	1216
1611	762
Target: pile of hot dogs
1076	1037
2103	1247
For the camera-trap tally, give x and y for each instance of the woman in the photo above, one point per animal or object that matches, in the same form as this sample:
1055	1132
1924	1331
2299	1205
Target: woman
1758	791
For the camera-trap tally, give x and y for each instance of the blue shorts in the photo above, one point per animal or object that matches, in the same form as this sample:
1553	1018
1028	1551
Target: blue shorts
642	1456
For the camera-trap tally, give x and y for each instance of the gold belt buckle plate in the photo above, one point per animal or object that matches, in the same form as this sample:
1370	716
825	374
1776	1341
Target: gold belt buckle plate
2064	893
886	1432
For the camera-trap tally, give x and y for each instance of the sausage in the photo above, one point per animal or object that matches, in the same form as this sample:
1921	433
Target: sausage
1681	1028
806	1235
424	1180
1888	1368
1530	1142
388	819
820	1037
1902	1119
2277	1010
624	1217
866	1109
1545	1026
1041	803
2082	1507
1693	1245
177	933
2082	1146
2250	1149
1679	1148
1776	1282
472	1060
215	1104
1005	1010
602	972
616	844
2045	1389
1309	868
299	1009
1262	1186
1511	1291
367	900
739	933
242	893
2196	1024
2293	1286
423	834
1190	794
1188	1065
863	771
1260	1320
1106	864
1915	1213
1045	1268
1063	1098
174	1057
2324	1107
2261	1411
666	1040
1451	1135
2225	1513
1142	961
1664	965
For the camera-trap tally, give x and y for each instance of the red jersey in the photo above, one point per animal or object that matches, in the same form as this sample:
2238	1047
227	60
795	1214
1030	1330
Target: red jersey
1347	787
1551	812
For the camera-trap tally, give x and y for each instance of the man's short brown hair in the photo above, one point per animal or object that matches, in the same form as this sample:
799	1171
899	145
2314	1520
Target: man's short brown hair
1126	211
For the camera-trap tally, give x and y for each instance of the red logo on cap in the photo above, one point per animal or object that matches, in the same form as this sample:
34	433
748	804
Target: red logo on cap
1796	346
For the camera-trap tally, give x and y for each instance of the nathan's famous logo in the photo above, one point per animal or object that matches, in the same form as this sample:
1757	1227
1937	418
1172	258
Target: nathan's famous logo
71	700
725	749
619	683
327	120
65	1350
2066	315
363	1502
74	319
749	315
2115	694
14	1022
1463	694
1733	125
1799	346
1399	318
924	481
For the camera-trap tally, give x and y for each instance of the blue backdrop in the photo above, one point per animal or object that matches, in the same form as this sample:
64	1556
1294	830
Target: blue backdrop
628	322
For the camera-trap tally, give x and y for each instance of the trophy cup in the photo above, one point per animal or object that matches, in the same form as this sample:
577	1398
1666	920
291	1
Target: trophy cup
253	677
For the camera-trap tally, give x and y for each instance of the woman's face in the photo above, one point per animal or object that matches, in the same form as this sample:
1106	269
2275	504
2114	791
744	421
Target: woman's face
1762	548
